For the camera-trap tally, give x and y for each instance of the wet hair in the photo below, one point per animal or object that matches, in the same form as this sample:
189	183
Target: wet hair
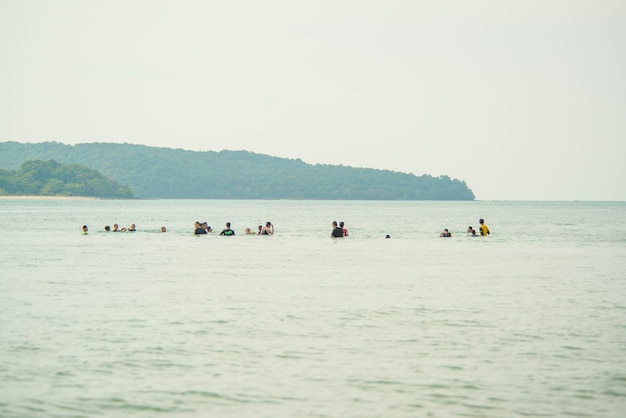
107	228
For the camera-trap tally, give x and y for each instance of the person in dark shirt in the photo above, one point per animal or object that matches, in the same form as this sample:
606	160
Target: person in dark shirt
227	232
268	229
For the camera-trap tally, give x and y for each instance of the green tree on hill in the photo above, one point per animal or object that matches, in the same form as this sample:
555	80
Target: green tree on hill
51	178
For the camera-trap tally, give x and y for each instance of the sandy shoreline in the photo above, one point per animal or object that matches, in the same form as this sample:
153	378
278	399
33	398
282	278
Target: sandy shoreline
47	198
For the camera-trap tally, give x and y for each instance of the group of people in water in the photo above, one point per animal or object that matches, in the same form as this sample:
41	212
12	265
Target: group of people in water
339	230
116	228
202	228
484	230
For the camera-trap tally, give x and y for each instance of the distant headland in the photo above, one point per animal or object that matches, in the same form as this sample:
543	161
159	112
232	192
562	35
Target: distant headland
142	171
37	178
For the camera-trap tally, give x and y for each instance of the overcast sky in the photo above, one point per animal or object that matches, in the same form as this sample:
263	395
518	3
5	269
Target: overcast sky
524	100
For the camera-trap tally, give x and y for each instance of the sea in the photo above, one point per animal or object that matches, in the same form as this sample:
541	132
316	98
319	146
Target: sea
527	322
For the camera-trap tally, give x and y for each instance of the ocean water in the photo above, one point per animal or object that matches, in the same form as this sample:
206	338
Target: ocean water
528	322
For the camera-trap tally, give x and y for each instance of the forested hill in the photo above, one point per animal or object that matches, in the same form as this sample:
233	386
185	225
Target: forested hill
51	178
153	172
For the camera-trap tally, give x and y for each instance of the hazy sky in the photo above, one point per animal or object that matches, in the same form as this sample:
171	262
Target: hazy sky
521	99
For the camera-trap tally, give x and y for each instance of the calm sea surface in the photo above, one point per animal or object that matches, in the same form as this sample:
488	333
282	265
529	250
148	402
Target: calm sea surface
529	322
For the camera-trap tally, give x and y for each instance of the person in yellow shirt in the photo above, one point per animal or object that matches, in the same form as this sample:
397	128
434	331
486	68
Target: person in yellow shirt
484	230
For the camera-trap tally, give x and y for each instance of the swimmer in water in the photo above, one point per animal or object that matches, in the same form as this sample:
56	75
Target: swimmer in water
268	229
198	229
336	232
227	231
484	230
